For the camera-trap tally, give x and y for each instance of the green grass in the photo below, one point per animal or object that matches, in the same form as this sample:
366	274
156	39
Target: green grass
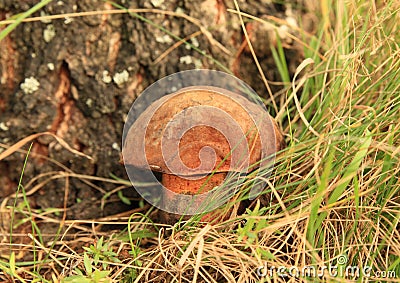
333	199
19	18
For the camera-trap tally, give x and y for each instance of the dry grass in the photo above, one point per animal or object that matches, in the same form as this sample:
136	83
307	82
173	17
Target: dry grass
334	197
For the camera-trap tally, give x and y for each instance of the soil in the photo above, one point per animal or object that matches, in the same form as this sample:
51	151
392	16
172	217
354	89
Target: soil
76	63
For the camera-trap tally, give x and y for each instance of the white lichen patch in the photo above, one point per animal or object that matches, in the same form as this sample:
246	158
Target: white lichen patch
116	146
30	85
179	10
121	78
191	60
157	3
194	42
198	64
3	126
49	33
164	39
89	102
186	60
68	20
50	66
44	15
106	78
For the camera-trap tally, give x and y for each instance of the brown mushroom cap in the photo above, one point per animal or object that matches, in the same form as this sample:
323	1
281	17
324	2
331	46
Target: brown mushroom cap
154	124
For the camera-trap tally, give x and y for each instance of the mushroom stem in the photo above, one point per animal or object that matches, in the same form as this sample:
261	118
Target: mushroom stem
179	185
184	186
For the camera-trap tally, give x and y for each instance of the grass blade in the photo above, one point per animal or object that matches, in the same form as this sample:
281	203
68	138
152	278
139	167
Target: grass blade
21	17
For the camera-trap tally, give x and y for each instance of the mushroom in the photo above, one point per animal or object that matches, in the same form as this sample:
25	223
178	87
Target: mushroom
187	137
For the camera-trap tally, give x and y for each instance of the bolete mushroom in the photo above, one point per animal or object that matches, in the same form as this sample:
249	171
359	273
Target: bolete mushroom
195	136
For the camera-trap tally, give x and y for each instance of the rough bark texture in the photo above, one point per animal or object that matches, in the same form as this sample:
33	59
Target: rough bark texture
80	98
